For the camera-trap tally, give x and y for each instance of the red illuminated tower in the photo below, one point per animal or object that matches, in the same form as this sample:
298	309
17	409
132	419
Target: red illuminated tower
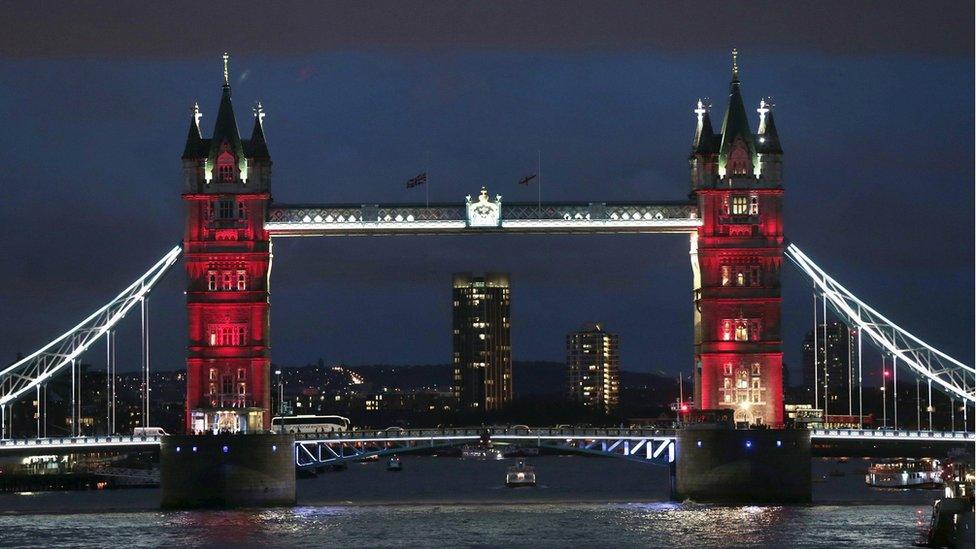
226	186
737	179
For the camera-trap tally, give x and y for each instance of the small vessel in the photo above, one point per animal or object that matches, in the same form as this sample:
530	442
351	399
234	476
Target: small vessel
519	475
904	473
952	516
394	464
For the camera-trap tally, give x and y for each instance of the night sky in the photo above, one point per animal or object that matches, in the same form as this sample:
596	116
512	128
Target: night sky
874	106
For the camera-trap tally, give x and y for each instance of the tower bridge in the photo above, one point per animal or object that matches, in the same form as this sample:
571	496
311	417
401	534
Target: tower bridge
733	221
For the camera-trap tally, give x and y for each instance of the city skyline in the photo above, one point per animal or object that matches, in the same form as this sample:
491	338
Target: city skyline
329	304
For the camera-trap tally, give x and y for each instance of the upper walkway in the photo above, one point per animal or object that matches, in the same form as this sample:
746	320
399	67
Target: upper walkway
484	215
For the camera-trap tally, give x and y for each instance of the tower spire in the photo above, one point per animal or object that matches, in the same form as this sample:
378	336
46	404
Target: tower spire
226	70
735	64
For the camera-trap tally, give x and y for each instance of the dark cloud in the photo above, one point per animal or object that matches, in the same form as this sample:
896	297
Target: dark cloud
193	29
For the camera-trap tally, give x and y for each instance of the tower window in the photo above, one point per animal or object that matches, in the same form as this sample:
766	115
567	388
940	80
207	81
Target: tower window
227	335
226	171
740	278
241	210
227	285
226	210
211	280
738	163
753	205
740	205
726	275
241	280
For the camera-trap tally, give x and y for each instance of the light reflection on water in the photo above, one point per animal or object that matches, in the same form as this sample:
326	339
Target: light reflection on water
537	525
445	511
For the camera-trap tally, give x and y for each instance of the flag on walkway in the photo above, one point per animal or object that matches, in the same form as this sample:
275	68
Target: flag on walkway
527	179
421	179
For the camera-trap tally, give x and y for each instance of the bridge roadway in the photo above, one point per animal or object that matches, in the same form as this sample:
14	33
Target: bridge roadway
317	449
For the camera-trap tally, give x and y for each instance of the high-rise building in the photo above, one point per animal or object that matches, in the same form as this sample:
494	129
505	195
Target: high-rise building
833	372
482	341
593	367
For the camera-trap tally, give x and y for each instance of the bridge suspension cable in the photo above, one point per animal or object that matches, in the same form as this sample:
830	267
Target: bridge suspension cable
946	373
32	371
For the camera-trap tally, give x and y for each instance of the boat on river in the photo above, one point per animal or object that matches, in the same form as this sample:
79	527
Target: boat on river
520	475
904	473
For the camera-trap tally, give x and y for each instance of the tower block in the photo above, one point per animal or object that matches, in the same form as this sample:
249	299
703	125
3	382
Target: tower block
736	177
226	190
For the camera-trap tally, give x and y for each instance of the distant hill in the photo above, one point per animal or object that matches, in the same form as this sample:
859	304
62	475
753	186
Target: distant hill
531	378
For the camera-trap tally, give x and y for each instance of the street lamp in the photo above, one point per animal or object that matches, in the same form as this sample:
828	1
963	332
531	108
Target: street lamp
281	392
884	396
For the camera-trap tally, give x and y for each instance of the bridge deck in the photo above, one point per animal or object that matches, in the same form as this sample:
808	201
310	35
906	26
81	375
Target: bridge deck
458	218
38	445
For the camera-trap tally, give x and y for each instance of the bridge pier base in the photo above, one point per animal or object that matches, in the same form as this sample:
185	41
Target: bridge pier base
221	471
740	466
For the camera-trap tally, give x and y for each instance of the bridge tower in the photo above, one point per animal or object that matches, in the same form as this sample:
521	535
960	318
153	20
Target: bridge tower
736	177
226	190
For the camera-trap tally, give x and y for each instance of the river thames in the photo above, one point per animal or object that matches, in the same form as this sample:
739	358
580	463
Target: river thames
452	502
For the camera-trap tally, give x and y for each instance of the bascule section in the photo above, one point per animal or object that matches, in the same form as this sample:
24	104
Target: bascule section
737	180
227	183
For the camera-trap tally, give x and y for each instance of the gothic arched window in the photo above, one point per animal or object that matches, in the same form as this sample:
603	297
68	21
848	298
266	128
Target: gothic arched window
226	165
738	162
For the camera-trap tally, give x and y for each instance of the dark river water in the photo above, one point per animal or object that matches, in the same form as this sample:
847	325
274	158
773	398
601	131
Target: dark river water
438	501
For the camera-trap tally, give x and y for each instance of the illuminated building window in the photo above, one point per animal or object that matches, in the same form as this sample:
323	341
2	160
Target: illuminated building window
755	368
728	368
241	374
728	383
227	334
213	374
242	389
741	330
227	385
241	280
726	330
743	381
740	205
728	397
211	280
227	284
740	278
213	389
756	398
726	275
753	205
756	383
